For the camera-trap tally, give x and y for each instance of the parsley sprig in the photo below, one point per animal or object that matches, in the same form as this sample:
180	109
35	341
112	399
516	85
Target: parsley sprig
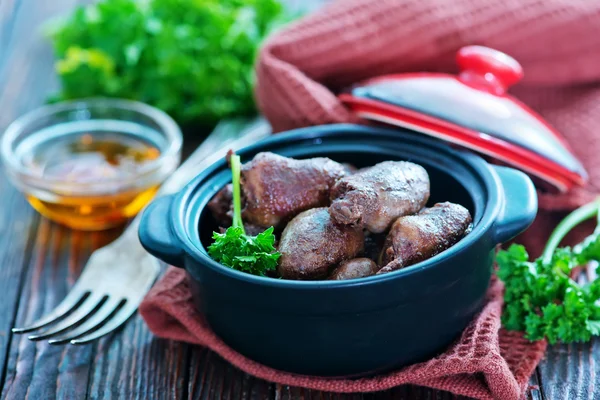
191	58
253	254
542	297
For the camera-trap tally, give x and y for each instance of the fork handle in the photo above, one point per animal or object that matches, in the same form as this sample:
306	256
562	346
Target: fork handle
230	134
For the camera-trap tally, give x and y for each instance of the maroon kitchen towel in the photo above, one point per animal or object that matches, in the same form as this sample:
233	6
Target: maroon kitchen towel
487	362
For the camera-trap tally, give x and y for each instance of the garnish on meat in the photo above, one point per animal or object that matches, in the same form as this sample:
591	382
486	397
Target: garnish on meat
233	248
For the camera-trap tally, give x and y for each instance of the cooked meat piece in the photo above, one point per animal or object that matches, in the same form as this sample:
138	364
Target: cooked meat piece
253	230
311	244
278	188
374	197
355	268
415	238
221	206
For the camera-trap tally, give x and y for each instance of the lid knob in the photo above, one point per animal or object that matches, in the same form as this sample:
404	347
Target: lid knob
488	69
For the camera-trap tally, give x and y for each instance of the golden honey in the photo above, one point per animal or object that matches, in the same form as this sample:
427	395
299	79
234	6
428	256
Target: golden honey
101	159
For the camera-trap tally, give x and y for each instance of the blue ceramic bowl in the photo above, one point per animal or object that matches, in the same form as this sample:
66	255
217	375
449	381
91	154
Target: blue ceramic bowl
356	327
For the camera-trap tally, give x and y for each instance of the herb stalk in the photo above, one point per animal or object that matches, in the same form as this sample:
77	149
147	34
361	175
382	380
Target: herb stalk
236	167
575	218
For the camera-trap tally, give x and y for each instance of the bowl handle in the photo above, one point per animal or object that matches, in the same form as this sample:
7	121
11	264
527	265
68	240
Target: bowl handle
520	204
156	234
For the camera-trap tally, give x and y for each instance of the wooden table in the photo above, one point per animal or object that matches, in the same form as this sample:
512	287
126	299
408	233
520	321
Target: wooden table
40	261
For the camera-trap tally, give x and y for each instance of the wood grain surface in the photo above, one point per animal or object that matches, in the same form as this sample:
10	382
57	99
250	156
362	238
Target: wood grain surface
40	261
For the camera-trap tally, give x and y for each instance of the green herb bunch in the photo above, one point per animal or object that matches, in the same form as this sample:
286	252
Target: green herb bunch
191	58
253	254
543	297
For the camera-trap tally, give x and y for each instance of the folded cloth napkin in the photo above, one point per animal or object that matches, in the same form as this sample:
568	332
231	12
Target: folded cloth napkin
301	68
487	362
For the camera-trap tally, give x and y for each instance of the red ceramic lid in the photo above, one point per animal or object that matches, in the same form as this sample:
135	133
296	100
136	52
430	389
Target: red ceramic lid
473	110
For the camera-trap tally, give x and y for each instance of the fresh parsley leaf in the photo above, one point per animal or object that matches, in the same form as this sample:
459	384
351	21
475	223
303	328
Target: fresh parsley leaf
593	327
589	249
193	59
541	298
233	248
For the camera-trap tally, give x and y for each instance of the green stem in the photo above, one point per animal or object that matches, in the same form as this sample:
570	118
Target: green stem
581	214
237	198
597	216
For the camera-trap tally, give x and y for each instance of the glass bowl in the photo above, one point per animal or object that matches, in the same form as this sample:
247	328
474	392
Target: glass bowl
81	189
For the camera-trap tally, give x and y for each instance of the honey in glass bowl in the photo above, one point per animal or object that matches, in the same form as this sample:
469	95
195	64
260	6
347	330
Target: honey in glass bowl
91	164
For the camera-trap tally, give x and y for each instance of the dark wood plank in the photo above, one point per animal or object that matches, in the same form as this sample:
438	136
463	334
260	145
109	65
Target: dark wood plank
25	79
211	377
27	67
7	18
400	393
534	390
16	222
39	370
127	364
571	371
132	364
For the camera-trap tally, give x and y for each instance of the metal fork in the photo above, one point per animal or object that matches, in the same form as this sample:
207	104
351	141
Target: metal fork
117	277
